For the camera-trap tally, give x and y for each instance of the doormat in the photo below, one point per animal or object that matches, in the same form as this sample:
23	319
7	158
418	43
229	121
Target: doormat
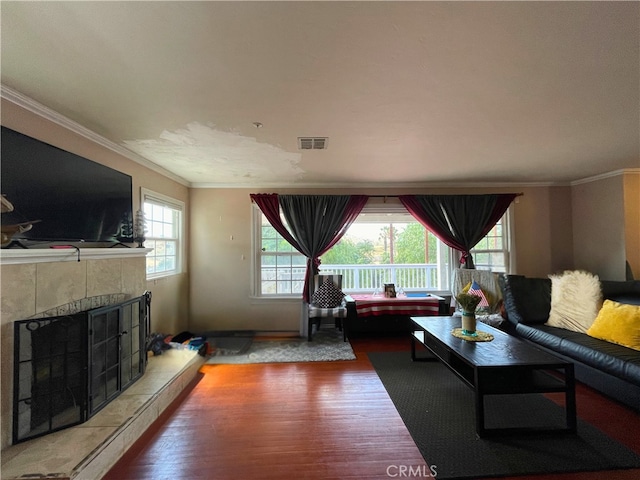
229	342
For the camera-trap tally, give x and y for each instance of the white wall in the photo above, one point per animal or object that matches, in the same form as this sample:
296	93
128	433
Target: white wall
599	227
221	279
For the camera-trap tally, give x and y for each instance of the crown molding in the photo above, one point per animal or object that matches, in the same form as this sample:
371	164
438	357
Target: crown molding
603	176
384	185
45	112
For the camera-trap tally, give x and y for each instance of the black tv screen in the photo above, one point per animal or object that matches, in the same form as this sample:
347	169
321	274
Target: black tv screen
72	198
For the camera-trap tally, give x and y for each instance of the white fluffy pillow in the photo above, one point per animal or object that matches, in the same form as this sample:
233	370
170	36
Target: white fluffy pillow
576	299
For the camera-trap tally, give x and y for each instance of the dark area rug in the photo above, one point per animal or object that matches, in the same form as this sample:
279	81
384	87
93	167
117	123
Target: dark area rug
438	410
229	345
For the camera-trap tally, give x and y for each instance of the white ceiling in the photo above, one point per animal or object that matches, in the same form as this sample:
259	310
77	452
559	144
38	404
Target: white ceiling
408	93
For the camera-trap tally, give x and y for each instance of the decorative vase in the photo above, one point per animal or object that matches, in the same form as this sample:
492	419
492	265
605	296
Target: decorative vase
468	323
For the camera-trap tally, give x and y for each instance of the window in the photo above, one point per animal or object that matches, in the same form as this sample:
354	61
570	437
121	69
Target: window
389	247
492	252
163	221
384	245
282	267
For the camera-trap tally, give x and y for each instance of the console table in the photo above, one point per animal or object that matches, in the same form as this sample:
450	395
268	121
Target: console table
372	313
505	365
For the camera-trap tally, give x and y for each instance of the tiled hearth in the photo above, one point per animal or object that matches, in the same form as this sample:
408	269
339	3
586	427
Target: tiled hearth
89	450
40	282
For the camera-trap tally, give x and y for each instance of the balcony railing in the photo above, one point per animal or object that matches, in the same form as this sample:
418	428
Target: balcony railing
357	278
371	277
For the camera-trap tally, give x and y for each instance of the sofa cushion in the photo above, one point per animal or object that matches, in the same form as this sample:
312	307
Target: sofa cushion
527	300
540	334
610	358
612	289
618	323
576	298
622	292
630	298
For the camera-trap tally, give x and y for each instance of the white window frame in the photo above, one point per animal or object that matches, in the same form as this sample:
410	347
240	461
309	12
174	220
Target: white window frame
257	259
506	250
374	207
149	196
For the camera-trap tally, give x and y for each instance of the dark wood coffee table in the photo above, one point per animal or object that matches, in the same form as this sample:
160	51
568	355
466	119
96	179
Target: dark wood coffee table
505	365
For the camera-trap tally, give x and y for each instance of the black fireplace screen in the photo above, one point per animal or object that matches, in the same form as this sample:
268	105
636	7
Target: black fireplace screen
67	368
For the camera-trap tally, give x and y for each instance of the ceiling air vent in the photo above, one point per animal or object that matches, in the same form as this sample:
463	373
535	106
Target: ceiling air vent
312	143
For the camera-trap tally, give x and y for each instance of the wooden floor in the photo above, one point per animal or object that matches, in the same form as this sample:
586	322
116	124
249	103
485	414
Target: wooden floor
316	420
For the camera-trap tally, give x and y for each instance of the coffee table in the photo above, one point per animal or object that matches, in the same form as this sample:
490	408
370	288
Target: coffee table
505	365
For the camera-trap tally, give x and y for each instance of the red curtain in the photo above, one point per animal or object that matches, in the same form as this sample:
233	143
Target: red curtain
310	238
459	221
269	205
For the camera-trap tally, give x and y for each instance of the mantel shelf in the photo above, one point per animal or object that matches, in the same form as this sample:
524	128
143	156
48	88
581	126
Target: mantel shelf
42	255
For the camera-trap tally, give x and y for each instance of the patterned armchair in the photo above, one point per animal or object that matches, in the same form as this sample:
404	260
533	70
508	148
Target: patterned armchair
326	300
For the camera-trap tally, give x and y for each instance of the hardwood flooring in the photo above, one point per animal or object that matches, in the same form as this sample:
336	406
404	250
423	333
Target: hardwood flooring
316	420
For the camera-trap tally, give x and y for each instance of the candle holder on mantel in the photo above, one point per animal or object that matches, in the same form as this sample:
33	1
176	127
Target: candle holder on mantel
140	229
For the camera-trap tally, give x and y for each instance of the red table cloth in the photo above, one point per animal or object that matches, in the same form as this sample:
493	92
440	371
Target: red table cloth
375	305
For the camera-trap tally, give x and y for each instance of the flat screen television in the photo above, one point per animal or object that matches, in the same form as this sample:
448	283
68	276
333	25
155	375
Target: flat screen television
73	199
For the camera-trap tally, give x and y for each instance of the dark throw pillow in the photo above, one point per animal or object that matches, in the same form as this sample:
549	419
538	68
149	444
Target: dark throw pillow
327	296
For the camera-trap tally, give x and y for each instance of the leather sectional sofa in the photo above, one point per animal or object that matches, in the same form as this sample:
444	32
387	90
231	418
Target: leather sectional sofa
607	367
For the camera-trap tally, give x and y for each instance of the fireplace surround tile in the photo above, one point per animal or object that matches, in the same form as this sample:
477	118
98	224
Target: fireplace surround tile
59	283
82	305
36	281
134	275
18	291
103	277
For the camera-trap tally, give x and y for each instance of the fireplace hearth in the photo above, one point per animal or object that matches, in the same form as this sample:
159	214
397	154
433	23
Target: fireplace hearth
69	367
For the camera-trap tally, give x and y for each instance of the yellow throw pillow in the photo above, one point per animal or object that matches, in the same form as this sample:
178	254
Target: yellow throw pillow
618	323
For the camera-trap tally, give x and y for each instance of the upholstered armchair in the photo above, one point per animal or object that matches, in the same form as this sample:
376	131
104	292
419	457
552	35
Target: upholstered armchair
487	280
488	283
326	300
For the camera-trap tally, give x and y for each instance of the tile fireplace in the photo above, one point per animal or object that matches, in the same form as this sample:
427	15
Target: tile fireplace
68	367
46	283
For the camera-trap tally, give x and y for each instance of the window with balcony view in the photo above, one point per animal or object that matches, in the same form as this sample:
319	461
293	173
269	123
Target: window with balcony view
384	245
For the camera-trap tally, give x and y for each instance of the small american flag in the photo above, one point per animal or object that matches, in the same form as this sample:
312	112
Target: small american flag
476	290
